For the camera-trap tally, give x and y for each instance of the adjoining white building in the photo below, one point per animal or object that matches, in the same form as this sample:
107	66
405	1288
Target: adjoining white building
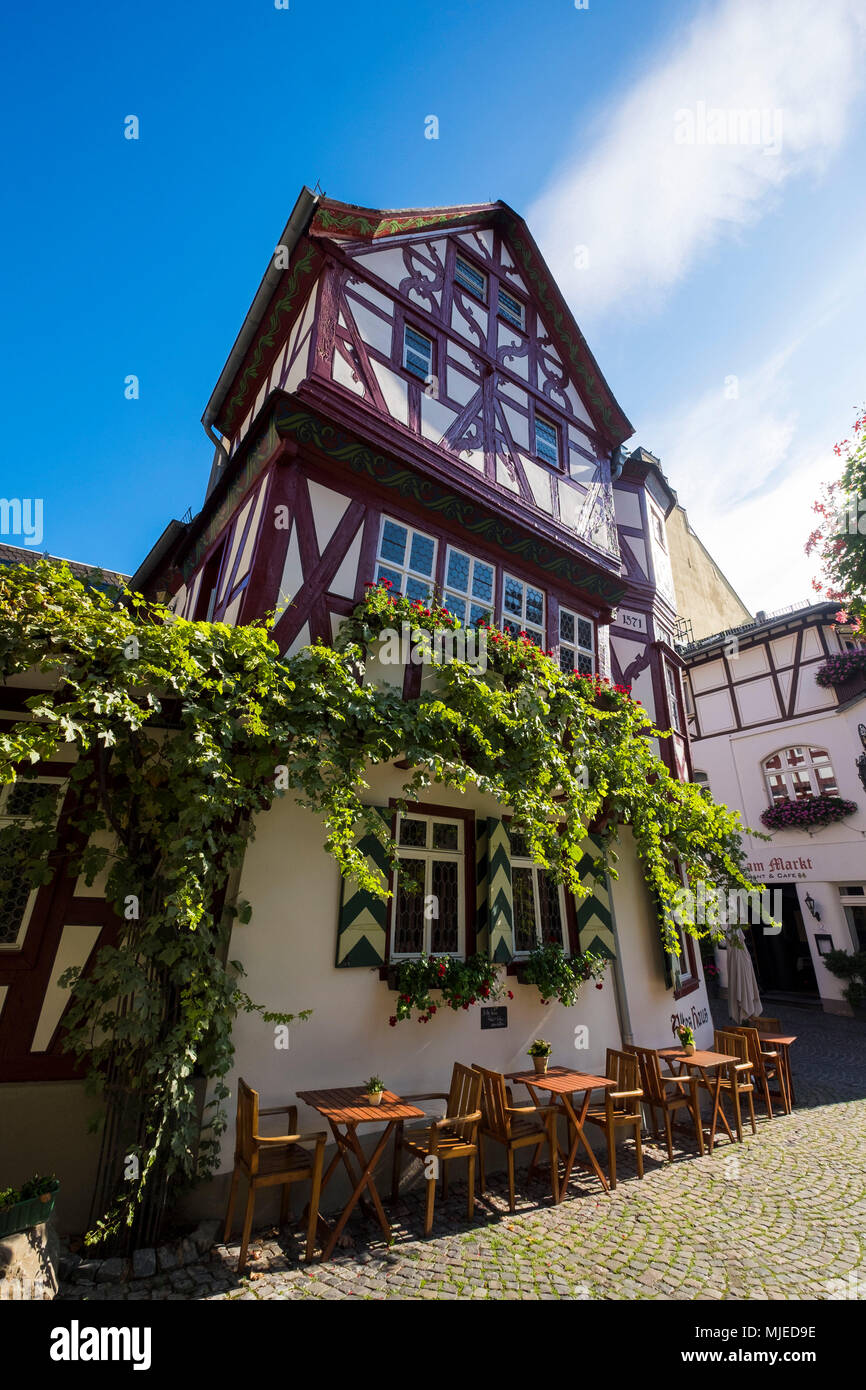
764	734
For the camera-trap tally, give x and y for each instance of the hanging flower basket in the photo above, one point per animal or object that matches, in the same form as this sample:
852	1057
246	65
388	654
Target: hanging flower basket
838	669
810	810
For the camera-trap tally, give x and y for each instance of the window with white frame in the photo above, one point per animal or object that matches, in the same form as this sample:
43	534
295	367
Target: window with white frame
539	902
417	352
672	687
428	908
468	588
853	899
466	274
407	557
522	609
511	309
576	644
547	441
795	773
18	803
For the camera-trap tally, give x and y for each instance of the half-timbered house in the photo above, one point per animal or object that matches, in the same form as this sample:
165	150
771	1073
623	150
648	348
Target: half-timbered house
410	398
764	732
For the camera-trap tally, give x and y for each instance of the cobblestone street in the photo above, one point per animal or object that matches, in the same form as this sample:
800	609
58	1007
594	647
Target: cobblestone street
782	1216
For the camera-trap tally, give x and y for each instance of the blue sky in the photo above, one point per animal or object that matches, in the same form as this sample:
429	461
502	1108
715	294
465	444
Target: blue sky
724	289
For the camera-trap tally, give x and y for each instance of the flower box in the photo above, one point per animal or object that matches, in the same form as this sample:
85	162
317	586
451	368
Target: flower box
31	1212
808	811
843	669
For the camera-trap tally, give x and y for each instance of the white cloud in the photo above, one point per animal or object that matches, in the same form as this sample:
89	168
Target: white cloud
747	457
646	205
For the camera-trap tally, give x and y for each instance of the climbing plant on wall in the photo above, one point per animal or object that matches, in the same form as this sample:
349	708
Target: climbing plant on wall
182	732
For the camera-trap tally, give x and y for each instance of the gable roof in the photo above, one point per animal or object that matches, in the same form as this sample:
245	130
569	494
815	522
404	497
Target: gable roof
320	218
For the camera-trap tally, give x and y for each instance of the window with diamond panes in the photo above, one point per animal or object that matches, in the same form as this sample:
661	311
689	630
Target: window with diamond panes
522	609
576	643
428	907
18	804
408	558
795	773
539	903
468	592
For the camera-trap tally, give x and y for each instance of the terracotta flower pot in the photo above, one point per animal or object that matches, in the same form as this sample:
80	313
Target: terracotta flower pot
540	1063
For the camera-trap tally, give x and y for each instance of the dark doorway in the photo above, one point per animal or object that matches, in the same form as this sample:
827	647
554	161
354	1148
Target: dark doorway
783	962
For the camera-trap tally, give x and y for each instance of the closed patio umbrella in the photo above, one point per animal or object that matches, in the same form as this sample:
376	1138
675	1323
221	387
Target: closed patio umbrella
744	1001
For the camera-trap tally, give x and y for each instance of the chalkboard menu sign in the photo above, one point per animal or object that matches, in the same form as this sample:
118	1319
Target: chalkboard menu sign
494	1017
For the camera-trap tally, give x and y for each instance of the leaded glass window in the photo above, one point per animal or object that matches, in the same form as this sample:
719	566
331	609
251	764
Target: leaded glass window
408	558
429	909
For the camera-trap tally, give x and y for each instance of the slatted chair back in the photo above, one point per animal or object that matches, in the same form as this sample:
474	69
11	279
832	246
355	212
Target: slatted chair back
464	1099
650	1072
247	1124
767	1025
732	1044
494	1101
753	1044
623	1067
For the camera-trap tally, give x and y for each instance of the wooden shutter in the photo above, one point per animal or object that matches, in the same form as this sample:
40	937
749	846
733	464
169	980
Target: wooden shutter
594	915
500	902
363	922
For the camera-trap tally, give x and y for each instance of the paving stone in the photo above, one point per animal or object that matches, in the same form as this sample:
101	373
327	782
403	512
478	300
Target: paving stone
783	1222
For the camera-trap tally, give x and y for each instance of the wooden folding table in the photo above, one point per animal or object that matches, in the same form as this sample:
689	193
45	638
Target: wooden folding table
782	1042
704	1062
345	1108
561	1082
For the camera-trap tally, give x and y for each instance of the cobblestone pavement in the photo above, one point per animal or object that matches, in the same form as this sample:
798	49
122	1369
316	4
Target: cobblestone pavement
782	1216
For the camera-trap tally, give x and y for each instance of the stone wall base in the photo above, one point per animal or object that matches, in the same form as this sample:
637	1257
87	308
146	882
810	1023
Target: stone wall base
28	1263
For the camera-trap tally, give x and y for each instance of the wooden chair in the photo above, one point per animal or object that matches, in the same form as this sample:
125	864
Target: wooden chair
514	1126
767	1066
767	1025
621	1109
738	1081
454	1136
657	1097
272	1162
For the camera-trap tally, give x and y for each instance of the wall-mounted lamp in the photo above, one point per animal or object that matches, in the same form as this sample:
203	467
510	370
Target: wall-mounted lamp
810	903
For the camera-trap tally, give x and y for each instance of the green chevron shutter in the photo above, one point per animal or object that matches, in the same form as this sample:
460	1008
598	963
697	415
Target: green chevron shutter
500	902
363	921
482	925
594	915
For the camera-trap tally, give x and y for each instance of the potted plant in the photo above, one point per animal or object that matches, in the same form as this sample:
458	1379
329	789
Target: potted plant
540	1051
374	1090
686	1037
33	1204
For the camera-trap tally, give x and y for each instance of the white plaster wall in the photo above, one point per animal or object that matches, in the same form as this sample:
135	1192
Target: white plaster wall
288	952
818	861
651	1005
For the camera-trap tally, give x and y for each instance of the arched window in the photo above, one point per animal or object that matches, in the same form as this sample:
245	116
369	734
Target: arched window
795	773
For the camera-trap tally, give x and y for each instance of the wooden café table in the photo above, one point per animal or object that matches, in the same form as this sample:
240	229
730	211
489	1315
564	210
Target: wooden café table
561	1082
699	1064
781	1043
345	1108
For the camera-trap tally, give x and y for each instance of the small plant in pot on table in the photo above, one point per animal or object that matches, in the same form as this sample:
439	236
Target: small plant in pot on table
540	1052
374	1089
686	1037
